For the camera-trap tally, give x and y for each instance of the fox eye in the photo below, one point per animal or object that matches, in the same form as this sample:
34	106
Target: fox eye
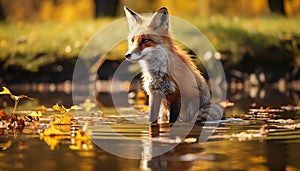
132	40
145	40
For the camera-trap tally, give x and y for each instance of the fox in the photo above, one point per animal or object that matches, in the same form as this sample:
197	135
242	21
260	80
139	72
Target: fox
176	88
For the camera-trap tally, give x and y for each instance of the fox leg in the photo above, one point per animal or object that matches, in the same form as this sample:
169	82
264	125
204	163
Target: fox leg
211	112
156	98
174	110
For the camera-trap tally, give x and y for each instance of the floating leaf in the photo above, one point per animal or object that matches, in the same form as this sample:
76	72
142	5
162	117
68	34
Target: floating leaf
74	107
65	120
62	120
62	109
2	114
35	114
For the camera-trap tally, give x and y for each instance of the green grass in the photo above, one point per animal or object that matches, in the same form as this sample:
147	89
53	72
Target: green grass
31	45
222	30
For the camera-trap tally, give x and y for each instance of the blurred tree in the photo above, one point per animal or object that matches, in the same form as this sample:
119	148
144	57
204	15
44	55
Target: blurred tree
292	7
106	8
2	14
238	8
277	6
144	6
66	10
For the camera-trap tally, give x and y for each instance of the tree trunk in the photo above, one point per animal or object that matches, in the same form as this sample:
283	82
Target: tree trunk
106	8
277	6
2	13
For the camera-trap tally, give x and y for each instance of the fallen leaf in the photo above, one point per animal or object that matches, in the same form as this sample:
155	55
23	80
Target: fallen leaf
35	114
61	108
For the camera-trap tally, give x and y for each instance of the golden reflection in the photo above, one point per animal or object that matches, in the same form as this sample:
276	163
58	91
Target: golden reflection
5	145
53	136
63	128
62	120
81	141
52	141
51	131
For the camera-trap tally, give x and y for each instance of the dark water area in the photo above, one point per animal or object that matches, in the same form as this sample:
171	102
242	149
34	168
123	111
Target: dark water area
28	152
233	145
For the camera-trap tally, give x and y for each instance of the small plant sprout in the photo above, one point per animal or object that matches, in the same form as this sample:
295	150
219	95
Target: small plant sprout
14	97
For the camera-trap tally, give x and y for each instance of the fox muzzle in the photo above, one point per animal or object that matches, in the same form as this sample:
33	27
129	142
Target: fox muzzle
128	55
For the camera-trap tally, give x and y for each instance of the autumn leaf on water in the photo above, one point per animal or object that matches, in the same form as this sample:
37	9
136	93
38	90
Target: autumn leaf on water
62	109
35	114
74	107
14	97
62	120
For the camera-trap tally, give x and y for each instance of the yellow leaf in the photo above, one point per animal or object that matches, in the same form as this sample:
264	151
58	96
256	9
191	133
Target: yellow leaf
52	131
61	108
57	120
75	107
65	120
62	120
15	98
5	91
35	114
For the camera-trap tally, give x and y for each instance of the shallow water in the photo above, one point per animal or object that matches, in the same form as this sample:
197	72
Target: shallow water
236	144
28	152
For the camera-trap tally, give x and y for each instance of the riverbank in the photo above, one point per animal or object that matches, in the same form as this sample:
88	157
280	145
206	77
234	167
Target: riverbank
47	52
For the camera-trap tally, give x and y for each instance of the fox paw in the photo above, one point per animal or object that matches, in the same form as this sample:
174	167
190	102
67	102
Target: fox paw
211	112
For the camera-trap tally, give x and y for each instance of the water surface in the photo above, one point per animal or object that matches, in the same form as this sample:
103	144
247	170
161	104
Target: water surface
237	144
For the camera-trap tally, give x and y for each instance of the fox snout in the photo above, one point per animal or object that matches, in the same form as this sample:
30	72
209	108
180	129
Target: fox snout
128	55
133	56
133	53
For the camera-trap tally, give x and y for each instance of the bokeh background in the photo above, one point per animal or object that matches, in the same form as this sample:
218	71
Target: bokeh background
44	38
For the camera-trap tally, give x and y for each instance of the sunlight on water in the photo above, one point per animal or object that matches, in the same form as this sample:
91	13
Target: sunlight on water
257	138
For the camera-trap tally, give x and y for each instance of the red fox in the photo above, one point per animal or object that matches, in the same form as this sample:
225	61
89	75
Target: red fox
170	78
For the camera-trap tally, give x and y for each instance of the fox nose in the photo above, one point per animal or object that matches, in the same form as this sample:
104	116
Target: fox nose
128	55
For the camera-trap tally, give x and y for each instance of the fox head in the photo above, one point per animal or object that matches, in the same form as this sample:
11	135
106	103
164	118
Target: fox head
147	35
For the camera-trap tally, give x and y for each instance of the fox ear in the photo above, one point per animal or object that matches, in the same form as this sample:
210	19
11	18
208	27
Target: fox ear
133	18
160	20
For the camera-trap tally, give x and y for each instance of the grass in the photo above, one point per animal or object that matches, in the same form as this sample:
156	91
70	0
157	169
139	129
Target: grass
31	45
258	34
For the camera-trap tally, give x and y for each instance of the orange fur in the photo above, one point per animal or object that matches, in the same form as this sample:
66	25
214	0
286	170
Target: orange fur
170	78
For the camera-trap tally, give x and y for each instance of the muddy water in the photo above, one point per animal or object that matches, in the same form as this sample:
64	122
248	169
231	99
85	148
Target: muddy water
236	144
